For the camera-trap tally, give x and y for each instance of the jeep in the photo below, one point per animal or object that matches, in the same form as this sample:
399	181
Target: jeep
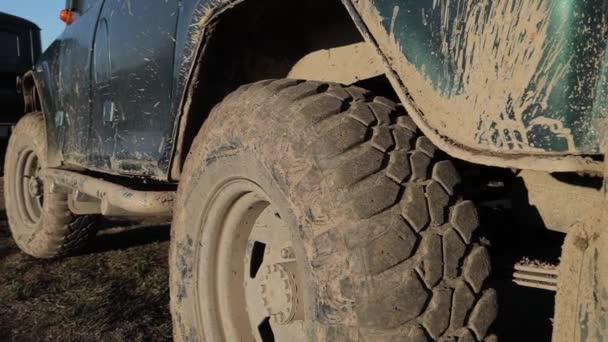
325	162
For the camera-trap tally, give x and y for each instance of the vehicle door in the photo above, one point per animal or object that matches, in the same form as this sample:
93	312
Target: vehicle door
74	89
134	89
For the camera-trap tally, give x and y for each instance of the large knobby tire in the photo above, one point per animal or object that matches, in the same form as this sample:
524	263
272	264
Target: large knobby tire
388	249
40	221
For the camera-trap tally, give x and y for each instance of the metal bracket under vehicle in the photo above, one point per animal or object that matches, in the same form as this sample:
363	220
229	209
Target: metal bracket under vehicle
90	195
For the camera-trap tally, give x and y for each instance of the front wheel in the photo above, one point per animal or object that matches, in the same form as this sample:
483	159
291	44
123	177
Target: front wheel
39	219
312	211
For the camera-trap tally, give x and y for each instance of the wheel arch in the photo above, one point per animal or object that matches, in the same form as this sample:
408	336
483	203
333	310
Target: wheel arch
35	101
31	98
239	42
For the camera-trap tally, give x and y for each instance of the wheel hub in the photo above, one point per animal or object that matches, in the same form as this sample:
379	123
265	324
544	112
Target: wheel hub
280	292
29	189
254	292
35	186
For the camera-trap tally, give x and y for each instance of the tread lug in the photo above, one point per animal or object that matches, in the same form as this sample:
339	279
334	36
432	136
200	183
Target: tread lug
462	303
438	201
414	208
362	113
381	112
464	219
339	92
445	173
437	317
408	123
404	139
347	134
366	163
396	307
453	251
385	101
477	267
420	163
390	249
425	145
399	166
467	336
383	138
322	108
431	267
384	194
484	313
358	93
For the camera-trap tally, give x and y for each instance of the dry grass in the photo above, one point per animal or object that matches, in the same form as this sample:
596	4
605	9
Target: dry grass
116	291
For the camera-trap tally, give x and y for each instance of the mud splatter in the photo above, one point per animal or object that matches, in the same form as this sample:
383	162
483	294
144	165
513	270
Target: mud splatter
394	18
494	52
501	62
201	19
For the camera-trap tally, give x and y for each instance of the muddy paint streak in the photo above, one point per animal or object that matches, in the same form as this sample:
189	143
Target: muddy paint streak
494	52
478	79
488	92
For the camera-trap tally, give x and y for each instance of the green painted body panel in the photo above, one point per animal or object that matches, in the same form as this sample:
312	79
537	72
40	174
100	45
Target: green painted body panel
540	66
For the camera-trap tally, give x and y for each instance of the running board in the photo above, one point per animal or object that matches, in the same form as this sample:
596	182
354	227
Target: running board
539	276
90	195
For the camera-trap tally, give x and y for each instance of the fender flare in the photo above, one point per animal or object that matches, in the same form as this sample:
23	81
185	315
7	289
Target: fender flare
28	89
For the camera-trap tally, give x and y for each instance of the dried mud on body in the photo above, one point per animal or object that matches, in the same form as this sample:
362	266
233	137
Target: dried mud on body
117	290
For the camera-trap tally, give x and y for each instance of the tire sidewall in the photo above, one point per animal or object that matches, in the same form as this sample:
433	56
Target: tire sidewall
28	134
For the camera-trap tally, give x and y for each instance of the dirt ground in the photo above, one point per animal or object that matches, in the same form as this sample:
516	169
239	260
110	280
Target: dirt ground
115	291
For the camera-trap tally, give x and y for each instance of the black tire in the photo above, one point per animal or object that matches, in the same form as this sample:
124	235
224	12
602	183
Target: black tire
47	229
392	251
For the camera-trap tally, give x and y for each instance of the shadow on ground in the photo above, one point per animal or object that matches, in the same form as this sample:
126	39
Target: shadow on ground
110	238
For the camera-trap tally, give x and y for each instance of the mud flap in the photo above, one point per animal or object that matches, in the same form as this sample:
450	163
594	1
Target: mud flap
581	309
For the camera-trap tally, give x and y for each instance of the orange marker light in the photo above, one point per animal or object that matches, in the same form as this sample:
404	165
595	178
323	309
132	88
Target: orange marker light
67	16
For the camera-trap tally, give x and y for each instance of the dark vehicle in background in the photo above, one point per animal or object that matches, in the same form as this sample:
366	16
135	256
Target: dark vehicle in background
324	161
20	47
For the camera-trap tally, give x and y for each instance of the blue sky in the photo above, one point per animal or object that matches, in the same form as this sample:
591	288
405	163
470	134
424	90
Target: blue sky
45	13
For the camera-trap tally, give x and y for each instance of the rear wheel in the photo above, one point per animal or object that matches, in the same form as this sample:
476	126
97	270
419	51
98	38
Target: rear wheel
311	211
39	219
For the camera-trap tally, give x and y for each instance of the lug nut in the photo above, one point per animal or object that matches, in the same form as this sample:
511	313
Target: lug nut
287	253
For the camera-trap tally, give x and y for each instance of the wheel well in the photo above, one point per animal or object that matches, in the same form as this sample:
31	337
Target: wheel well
258	40
31	97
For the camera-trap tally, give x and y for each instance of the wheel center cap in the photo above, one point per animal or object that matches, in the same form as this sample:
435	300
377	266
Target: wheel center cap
35	187
280	292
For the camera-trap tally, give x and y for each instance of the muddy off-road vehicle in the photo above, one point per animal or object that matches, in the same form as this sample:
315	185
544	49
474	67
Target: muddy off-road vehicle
324	161
19	49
